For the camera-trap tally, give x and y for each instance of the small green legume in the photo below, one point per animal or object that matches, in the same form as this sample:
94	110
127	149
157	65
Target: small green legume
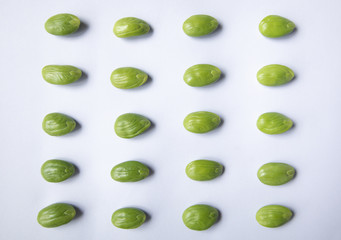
130	171
130	27
56	215
58	124
200	217
201	75
128	77
200	25
62	24
274	26
61	74
128	218
203	170
272	216
274	75
274	123
130	125
201	122
57	170
275	174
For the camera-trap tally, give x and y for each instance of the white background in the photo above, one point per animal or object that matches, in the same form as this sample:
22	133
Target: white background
312	100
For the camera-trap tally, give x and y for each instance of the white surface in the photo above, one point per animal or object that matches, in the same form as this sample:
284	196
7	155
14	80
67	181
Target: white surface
312	100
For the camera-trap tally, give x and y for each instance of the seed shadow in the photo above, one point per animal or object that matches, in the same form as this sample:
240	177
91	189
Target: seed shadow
79	212
148	217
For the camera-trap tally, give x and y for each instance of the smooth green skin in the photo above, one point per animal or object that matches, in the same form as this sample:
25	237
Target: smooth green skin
203	170
128	218
56	215
61	74
200	217
130	125
130	171
200	25
201	75
201	122
272	216
57	170
62	24
274	26
275	174
128	77
130	27
274	123
58	124
275	75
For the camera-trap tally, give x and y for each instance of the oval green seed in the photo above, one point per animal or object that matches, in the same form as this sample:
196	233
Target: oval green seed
272	216
200	217
130	27
130	171
57	170
274	123
62	24
201	75
130	125
58	124
128	77
203	170
201	122
275	174
200	25
274	26
56	215
274	75
128	218
61	74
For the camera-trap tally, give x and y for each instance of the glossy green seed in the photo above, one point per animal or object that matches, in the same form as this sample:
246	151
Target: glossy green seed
58	124
61	74
128	218
130	125
201	75
274	123
56	215
130	27
201	122
203	170
128	77
274	26
130	171
200	217
57	170
275	174
274	75
62	24
199	25
272	216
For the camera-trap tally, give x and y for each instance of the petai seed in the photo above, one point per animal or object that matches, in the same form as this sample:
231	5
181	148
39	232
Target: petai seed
130	27
128	218
201	122
201	75
130	125
62	24
272	216
203	170
130	171
58	124
275	174
57	170
200	25
200	217
56	215
274	26
274	75
274	123
61	74
128	77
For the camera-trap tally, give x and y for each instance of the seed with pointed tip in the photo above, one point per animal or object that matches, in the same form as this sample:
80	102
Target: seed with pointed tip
128	218
61	74
203	170
130	27
201	122
56	215
274	123
130	171
201	75
58	124
274	75
274	26
128	77
200	25
200	217
272	216
275	174
130	125
62	24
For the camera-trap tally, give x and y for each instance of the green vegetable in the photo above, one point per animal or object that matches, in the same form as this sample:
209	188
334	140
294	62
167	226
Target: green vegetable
200	217
56	215
58	124
130	125
201	75
274	123
274	26
130	27
128	77
275	173
199	25
273	216
203	170
128	218
274	75
201	122
61	74
130	171
62	24
57	170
